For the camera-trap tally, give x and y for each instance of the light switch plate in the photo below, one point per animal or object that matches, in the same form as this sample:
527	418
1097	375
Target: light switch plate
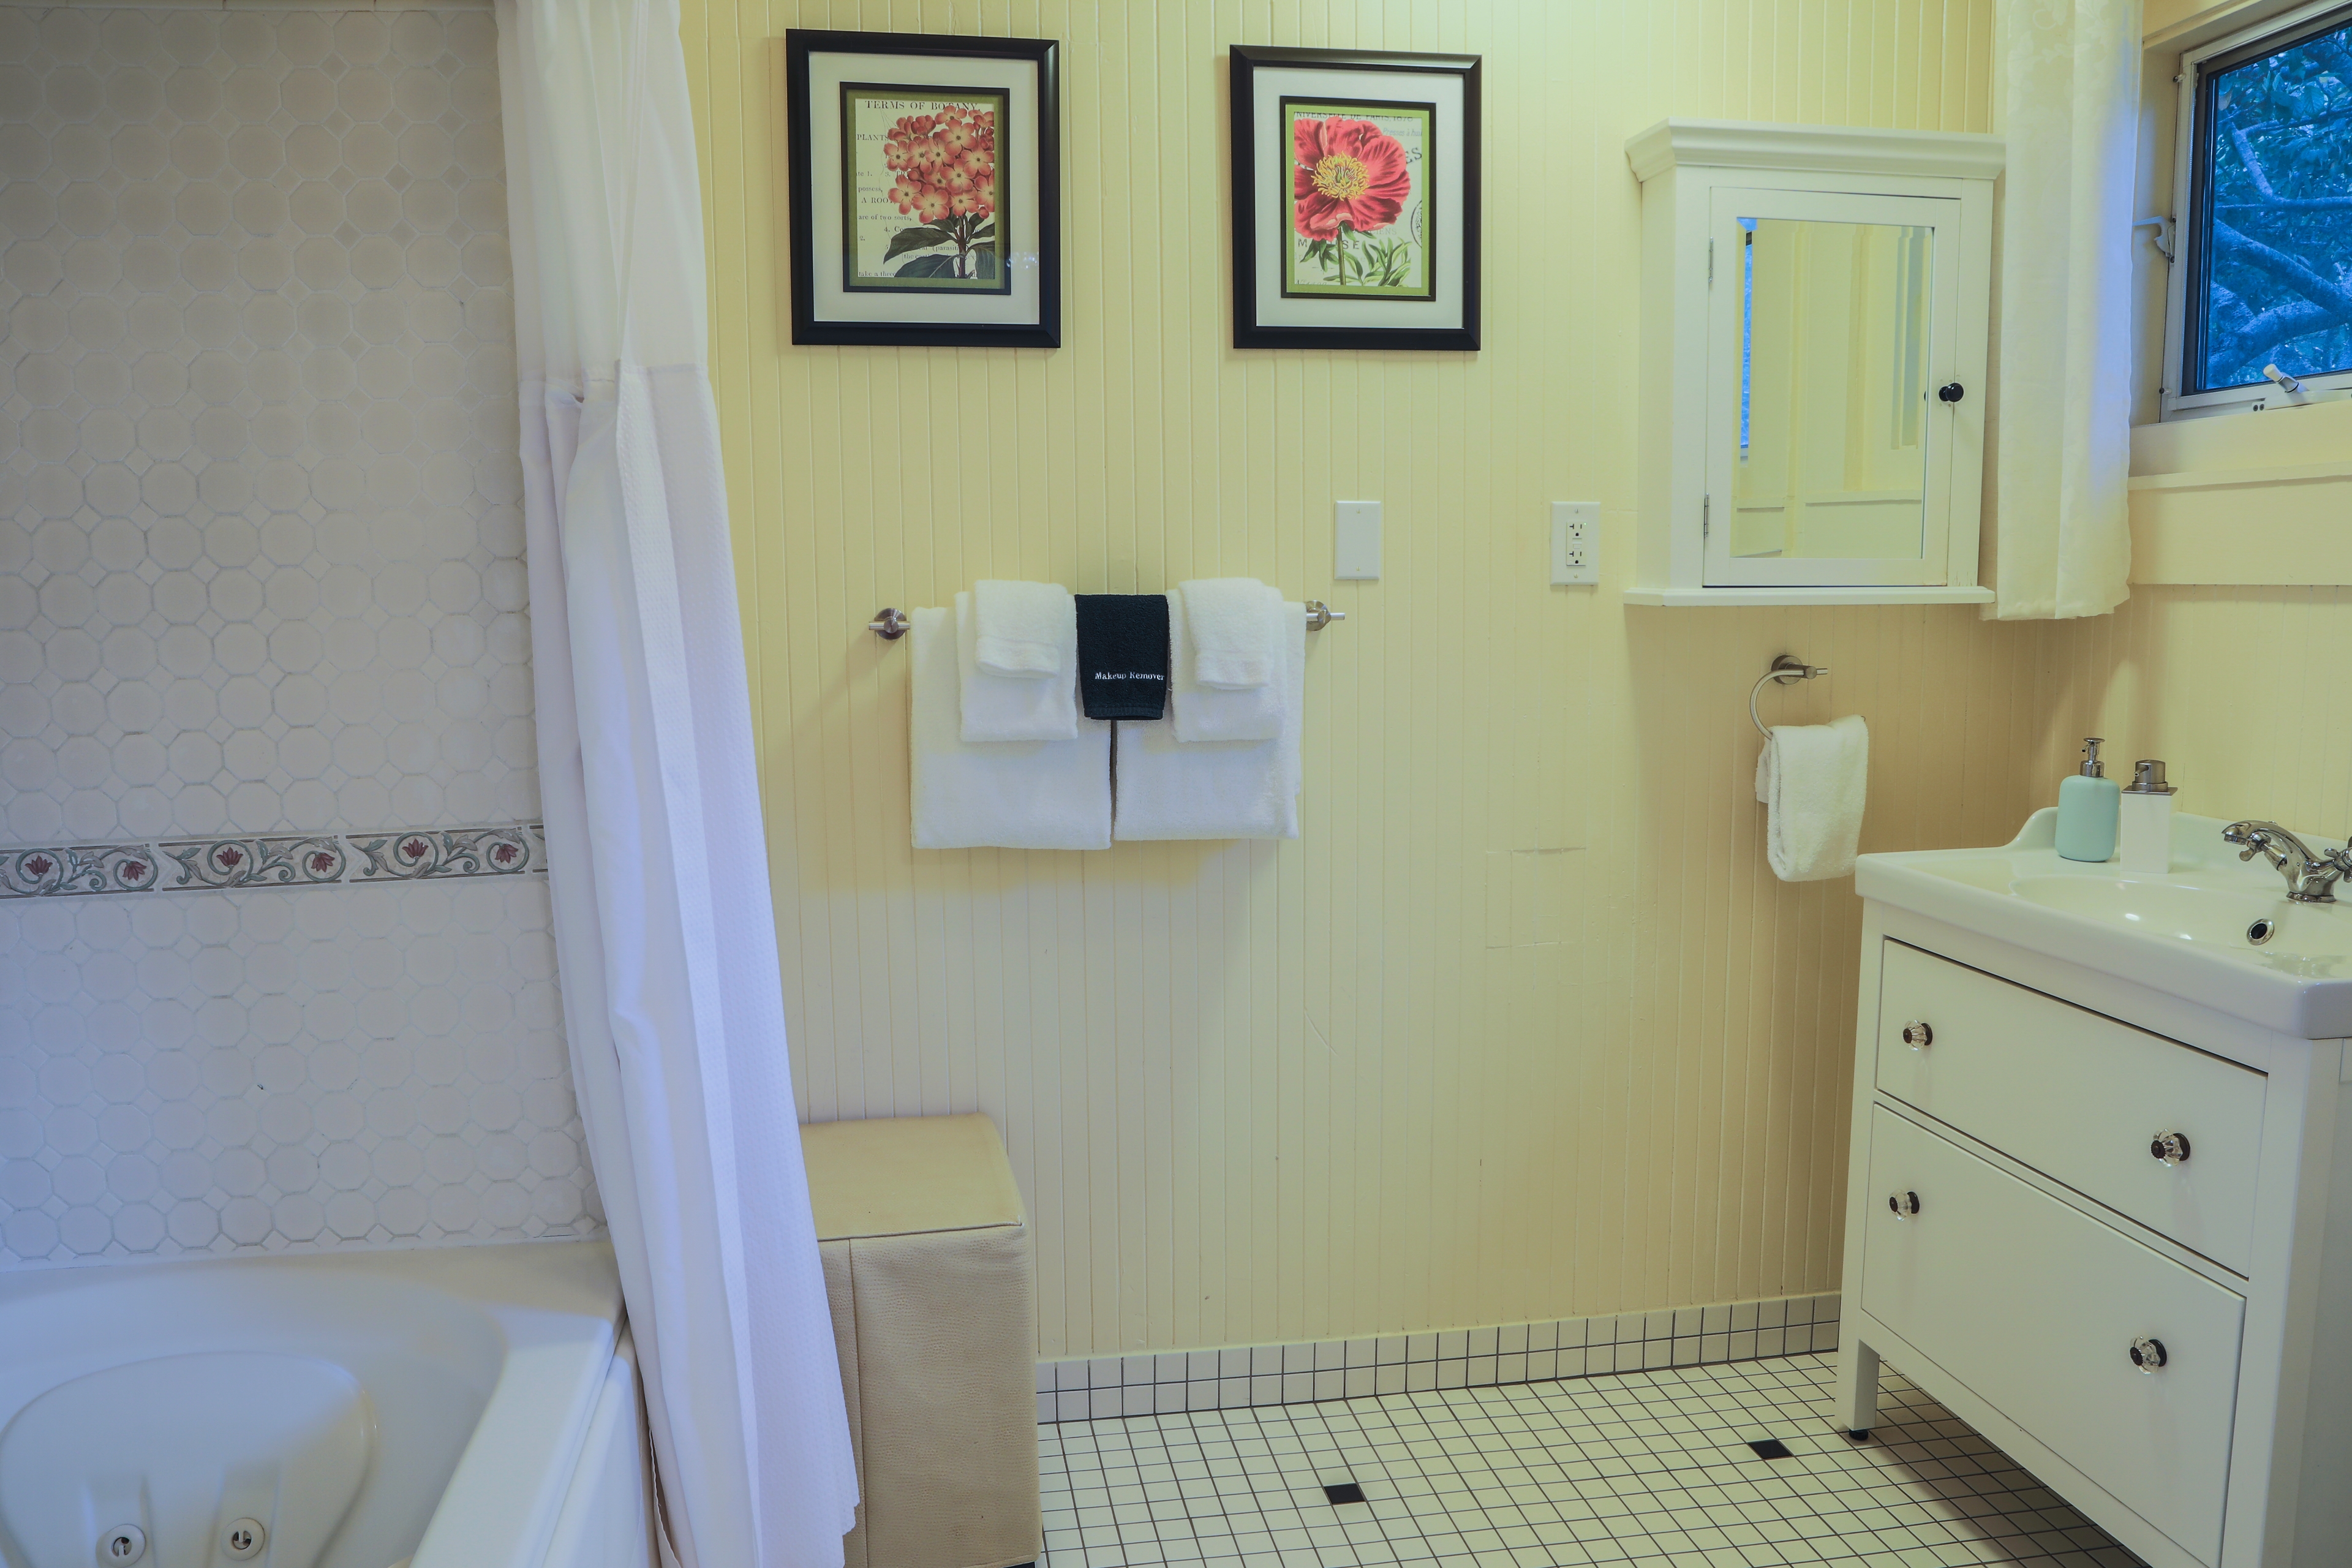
1575	542
1356	539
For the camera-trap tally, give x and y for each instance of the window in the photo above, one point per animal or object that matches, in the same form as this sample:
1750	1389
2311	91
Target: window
2262	289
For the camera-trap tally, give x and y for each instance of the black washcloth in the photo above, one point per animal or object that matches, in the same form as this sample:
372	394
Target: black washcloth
1123	655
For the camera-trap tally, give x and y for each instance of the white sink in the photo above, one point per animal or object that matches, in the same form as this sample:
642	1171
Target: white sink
2191	934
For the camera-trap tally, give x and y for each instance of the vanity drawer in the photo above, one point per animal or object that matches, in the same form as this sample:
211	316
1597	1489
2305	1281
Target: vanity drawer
2034	1305
2079	1096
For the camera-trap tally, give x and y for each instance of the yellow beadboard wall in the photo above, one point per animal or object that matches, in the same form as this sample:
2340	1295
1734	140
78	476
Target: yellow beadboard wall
1522	1026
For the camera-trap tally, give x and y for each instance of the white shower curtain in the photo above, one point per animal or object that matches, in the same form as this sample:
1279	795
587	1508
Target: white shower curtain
664	933
2068	77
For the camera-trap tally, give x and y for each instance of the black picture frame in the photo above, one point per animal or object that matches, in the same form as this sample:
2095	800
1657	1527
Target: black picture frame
1043	55
1252	162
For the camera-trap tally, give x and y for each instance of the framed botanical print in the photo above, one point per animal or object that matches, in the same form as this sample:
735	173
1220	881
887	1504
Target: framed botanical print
925	189
1355	199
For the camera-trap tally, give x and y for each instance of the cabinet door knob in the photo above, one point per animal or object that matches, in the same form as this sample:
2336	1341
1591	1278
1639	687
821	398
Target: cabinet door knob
2172	1147
1918	1034
2148	1354
1951	392
1902	1206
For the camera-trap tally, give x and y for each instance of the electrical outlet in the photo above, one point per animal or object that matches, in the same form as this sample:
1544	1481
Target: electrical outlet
1575	541
1356	541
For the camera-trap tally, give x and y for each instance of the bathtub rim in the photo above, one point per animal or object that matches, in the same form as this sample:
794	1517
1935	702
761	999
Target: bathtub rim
556	1307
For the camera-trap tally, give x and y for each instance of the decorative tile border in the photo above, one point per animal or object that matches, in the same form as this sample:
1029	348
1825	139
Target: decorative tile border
1174	1380
174	865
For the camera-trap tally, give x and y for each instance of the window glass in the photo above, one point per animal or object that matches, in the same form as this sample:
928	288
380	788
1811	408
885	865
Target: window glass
2272	223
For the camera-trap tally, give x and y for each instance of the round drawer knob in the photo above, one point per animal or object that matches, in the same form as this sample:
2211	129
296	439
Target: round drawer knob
1918	1034
1902	1206
2172	1147
2148	1354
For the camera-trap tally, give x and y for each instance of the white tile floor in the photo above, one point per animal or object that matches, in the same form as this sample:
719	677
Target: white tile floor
1643	1467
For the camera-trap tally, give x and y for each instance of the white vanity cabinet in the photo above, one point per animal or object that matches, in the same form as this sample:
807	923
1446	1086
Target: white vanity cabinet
2111	1229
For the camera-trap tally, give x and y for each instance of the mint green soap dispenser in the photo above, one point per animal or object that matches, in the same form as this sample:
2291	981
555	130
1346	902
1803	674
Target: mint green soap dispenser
2088	802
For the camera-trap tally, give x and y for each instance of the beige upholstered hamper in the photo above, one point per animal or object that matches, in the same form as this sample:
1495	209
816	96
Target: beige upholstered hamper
927	1261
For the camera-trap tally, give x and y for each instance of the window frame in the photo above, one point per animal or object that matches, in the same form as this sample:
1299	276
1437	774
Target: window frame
2187	260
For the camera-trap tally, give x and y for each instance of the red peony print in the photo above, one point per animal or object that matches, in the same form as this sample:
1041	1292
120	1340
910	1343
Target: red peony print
945	165
1358	202
39	864
1346	173
413	849
321	862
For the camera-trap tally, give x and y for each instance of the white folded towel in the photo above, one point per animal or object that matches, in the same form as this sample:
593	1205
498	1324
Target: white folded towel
1024	631
1018	795
1204	713
1226	618
995	708
1216	789
1812	779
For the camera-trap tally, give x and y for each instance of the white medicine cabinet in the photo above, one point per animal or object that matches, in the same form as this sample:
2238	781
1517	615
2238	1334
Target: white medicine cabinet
1814	312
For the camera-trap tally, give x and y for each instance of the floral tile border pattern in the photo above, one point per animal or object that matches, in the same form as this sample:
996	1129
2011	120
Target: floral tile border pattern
303	860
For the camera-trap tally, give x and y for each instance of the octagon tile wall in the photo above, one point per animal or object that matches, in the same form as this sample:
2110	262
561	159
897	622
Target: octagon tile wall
260	574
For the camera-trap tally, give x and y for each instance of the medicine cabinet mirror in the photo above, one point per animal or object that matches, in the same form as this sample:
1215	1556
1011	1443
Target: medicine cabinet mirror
1813	349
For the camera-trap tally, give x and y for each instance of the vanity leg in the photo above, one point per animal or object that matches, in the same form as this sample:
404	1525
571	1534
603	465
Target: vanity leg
1853	1399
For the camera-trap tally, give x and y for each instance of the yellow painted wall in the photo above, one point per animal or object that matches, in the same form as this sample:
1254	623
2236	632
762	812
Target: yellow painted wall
2240	690
1522	1026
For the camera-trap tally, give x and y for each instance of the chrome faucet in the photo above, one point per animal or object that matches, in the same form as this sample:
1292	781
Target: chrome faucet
2310	877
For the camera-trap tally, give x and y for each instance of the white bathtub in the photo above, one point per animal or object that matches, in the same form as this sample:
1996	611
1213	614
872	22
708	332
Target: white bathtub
464	1407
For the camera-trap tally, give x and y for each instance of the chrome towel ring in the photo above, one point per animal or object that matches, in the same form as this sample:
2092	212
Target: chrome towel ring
1786	667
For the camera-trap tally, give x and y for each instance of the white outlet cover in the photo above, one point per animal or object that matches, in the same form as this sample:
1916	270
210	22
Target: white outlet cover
1575	542
1356	541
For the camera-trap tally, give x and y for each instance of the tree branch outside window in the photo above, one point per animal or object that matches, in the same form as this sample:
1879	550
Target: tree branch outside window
2278	220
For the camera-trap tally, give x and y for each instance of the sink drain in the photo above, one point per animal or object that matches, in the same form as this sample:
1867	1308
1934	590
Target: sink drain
2262	930
124	1543
243	1542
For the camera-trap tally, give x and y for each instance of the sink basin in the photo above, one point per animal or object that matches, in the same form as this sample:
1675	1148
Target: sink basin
2306	938
2214	931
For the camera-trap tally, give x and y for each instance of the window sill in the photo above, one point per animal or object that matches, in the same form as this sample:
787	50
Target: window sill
2249	499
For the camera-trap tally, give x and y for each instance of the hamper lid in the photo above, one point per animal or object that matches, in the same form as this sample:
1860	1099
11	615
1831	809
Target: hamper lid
907	1175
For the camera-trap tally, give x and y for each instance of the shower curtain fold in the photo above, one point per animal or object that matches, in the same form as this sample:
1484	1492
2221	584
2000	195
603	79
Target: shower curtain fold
665	934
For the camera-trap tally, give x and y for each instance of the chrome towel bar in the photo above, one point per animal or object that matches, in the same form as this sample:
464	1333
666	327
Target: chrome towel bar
890	624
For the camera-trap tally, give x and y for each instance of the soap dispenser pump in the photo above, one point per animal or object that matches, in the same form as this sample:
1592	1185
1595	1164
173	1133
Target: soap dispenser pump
2088	802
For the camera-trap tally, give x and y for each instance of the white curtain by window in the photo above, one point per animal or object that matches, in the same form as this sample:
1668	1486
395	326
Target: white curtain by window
2068	80
664	932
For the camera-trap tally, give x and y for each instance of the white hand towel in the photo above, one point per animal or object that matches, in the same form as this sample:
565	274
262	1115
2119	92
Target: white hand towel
1812	779
1024	631
1227	618
996	709
1210	713
1216	789
1018	795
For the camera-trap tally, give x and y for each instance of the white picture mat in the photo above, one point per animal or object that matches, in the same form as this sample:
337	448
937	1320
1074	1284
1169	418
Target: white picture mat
827	72
1268	88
